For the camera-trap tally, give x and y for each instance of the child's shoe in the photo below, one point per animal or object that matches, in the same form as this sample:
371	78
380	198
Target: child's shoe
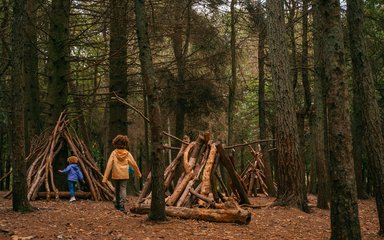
72	199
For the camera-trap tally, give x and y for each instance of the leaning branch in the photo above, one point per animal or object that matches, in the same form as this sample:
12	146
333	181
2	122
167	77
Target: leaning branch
122	100
246	144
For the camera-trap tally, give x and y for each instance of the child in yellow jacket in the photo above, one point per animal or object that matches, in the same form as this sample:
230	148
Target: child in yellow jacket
119	162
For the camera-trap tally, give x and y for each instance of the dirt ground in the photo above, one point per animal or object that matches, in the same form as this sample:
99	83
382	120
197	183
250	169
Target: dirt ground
85	219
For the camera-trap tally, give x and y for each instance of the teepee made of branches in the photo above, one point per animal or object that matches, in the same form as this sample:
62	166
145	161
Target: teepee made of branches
43	151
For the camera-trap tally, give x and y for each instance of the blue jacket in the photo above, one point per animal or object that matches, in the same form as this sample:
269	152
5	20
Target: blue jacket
73	173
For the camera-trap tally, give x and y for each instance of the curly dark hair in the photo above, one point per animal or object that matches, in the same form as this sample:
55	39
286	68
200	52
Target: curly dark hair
120	141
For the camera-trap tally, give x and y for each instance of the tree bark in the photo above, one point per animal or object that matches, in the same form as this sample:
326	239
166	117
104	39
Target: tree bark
236	181
291	185
180	50
363	80
319	127
151	87
233	80
118	69
33	109
239	216
344	209
58	59
20	202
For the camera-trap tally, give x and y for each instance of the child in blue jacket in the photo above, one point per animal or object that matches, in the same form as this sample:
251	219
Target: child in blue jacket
74	175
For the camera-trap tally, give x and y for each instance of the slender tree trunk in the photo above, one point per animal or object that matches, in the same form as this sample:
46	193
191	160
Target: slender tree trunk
362	78
58	59
150	85
33	121
118	69
2	158
58	73
180	50
262	118
319	128
20	202
233	79
344	209
291	176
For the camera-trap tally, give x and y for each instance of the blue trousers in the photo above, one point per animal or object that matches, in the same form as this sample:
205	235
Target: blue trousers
71	186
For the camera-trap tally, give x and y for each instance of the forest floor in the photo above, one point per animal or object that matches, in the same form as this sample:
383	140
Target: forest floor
85	219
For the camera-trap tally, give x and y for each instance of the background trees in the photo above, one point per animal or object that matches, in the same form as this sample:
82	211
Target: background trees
215	72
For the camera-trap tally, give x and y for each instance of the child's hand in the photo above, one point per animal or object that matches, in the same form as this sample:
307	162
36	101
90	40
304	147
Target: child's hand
61	171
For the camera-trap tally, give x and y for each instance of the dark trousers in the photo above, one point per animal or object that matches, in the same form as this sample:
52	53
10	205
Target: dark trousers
120	192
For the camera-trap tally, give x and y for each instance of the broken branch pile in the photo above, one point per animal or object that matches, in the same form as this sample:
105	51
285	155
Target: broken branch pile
43	152
197	185
253	175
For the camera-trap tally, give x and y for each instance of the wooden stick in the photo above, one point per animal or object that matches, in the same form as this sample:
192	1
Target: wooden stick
6	175
131	106
245	144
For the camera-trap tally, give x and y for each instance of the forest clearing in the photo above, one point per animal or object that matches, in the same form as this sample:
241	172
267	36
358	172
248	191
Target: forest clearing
244	116
85	219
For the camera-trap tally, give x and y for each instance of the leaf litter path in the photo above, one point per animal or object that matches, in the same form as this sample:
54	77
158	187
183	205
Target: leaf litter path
86	219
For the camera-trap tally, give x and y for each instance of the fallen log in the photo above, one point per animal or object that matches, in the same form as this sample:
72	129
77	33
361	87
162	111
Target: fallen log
82	195
238	215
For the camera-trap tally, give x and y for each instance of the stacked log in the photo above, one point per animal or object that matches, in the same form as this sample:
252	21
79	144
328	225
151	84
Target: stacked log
42	154
197	187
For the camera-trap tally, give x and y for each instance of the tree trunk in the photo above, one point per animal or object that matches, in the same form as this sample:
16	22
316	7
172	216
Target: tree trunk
150	85
33	122
58	59
118	69
233	80
180	50
319	128
291	175
344	209
20	202
362	78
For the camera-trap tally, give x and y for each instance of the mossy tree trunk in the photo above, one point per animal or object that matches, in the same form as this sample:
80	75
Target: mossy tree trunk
344	209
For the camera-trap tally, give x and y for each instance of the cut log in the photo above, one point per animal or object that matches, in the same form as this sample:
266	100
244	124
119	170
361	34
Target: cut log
239	216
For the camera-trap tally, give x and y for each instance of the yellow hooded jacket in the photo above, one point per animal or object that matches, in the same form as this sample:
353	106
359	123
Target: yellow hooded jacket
118	162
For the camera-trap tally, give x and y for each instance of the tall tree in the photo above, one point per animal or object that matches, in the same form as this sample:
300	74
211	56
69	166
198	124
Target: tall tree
365	88
344	209
257	14
180	45
32	96
58	59
151	87
19	183
262	111
233	79
118	68
319	127
291	176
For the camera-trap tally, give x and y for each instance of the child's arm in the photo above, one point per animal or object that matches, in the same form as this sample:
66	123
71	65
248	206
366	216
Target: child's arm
108	168
66	169
133	164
